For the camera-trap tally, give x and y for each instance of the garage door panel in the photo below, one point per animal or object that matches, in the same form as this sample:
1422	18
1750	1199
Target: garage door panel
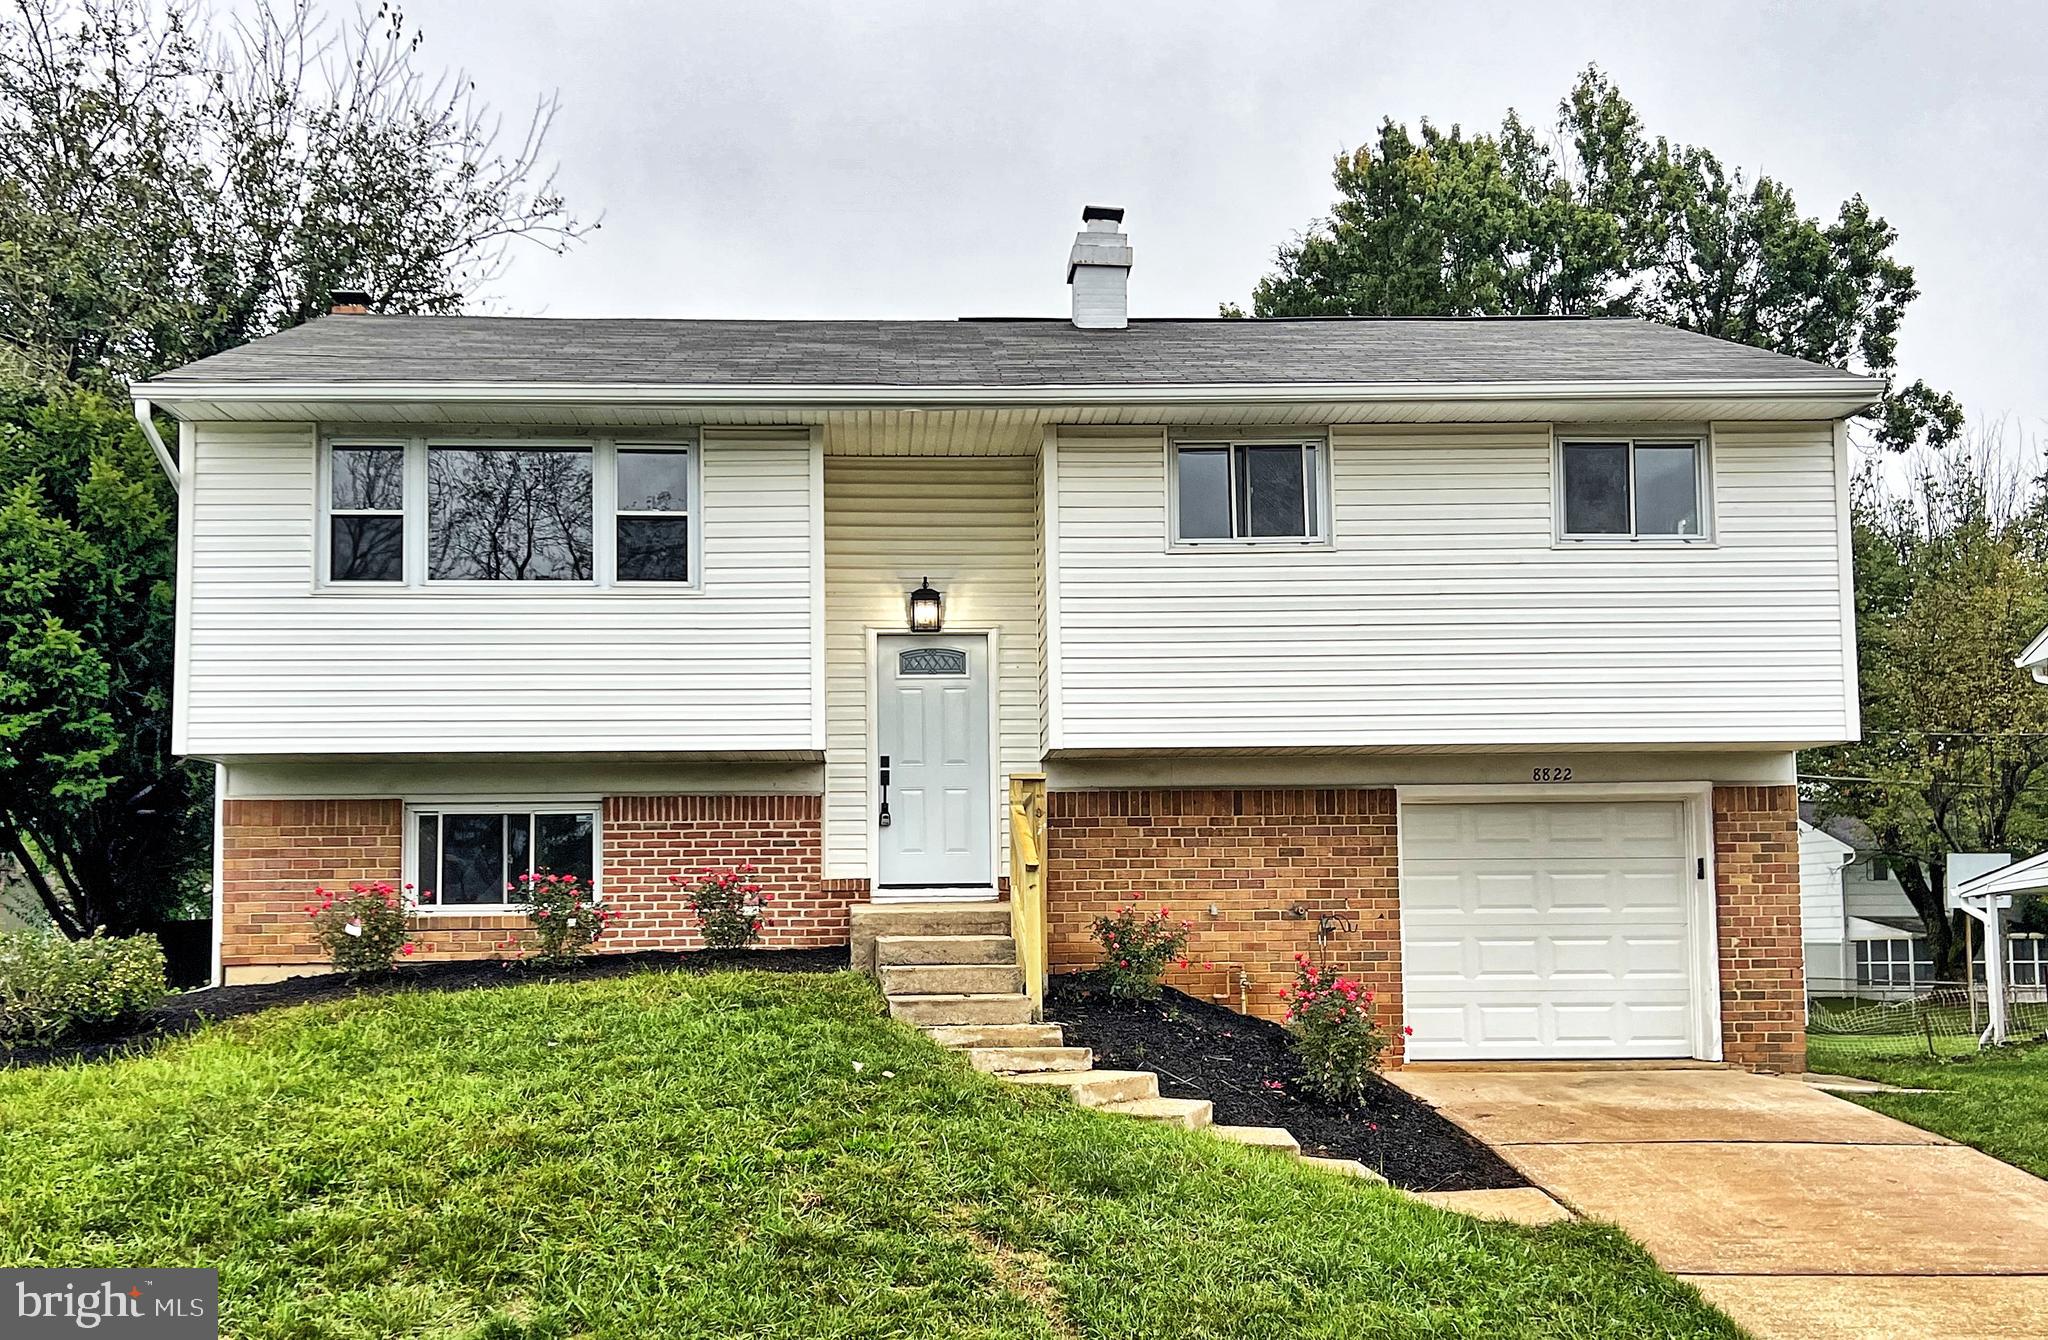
1536	929
1497	959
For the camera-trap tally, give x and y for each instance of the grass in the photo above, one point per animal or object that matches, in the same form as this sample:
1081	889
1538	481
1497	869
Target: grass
723	1154
1995	1101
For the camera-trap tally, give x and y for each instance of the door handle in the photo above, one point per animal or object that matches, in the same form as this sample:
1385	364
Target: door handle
882	820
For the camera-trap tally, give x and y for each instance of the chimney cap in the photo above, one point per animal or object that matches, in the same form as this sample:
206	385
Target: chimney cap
1090	213
348	302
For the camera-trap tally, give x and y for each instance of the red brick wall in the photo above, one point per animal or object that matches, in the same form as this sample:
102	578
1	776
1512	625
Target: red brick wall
648	839
276	852
1756	895
1253	854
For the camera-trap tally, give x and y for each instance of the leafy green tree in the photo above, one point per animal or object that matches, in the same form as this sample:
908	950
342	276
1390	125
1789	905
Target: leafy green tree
1612	223
169	189
1951	585
109	829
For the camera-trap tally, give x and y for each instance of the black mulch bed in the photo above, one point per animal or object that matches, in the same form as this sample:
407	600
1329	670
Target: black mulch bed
1201	1050
188	1010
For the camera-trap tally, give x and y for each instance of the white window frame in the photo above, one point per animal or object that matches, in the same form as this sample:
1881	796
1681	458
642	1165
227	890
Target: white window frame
1893	961
604	513
1316	490
591	805
693	527
1700	441
2034	958
324	482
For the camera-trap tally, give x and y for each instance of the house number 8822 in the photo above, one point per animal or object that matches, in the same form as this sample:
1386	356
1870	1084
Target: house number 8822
1551	775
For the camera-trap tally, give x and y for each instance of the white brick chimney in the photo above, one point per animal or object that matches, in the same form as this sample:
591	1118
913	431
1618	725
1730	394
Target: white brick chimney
1099	270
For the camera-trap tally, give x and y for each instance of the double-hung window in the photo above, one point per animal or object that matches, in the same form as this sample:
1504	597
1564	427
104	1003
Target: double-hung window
365	512
594	513
1632	488
653	514
1248	491
471	857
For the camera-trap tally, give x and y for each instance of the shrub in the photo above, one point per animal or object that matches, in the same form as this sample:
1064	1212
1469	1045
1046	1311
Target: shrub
563	913
1335	1039
52	988
1137	948
363	930
729	904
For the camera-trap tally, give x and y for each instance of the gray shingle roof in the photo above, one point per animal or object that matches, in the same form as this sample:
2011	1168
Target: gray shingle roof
985	352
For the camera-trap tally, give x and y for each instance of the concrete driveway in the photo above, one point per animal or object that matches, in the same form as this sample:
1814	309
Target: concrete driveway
1797	1213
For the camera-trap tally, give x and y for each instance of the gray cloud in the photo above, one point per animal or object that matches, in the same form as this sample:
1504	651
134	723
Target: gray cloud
888	159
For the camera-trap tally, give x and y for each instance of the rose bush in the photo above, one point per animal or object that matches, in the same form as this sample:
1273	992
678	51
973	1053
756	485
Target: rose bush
366	929
1335	1038
1137	947
729	904
562	914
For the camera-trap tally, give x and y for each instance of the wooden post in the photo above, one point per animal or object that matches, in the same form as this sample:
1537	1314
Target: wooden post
1027	883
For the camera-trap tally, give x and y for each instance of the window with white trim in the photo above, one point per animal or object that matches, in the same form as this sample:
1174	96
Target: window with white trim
653	514
1893	962
2027	960
1619	488
366	512
1263	490
470	857
590	512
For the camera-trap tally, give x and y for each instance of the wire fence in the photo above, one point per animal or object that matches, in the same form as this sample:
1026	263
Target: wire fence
1848	1022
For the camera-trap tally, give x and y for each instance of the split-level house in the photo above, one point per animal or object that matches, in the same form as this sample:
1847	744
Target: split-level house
1468	656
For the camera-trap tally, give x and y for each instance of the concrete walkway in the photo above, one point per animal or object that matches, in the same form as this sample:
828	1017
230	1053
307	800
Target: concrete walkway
1797	1213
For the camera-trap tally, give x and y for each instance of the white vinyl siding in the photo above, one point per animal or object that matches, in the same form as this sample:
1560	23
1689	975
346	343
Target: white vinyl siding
968	524
276	666
1444	612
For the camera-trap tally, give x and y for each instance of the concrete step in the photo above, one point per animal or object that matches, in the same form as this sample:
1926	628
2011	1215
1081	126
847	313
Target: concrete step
1343	1167
997	1035
1097	1088
918	950
952	979
1187	1113
872	921
1263	1137
1029	1060
961	1009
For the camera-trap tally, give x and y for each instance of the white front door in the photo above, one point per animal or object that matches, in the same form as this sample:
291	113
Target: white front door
1540	930
936	811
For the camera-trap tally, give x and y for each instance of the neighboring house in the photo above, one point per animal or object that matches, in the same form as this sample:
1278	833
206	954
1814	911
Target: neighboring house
1862	934
1861	930
1469	655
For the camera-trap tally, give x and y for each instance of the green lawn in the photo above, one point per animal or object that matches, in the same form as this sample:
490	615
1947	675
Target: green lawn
683	1155
1997	1102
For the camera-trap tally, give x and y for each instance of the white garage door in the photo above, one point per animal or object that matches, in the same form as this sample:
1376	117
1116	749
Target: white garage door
1546	930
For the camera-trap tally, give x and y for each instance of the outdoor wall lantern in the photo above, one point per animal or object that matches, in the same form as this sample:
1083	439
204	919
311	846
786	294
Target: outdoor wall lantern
927	609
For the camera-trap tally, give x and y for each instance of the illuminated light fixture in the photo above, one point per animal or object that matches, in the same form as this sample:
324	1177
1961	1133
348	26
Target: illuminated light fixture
927	609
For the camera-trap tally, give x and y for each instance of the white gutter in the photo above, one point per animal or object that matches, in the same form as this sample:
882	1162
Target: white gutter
156	442
1863	389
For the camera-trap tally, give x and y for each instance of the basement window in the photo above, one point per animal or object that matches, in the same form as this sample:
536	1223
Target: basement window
1251	491
470	858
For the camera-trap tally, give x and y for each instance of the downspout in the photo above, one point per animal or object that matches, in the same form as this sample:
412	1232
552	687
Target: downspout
156	442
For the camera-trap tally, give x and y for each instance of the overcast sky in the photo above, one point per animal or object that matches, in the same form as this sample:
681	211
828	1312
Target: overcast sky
891	160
